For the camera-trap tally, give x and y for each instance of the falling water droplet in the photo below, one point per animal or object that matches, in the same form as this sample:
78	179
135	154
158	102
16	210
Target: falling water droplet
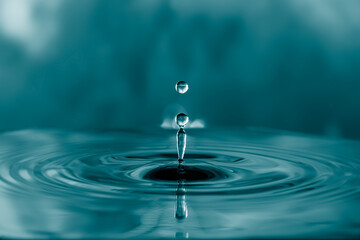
181	87
181	119
181	144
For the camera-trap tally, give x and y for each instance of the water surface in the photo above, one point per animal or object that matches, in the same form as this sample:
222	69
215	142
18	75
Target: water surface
237	184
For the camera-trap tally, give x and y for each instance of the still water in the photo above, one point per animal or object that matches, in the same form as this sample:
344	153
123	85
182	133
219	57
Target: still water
238	183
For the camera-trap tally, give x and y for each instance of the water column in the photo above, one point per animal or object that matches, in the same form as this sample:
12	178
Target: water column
181	120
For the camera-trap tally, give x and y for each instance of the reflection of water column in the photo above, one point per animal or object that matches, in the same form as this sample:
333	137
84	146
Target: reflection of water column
181	207
181	235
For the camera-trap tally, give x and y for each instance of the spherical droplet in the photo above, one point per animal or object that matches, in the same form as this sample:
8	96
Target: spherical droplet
181	119
181	87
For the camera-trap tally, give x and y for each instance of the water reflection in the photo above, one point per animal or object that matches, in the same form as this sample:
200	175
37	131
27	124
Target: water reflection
181	212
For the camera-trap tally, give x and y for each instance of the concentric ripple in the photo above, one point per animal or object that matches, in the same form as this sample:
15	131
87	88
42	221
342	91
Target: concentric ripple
249	170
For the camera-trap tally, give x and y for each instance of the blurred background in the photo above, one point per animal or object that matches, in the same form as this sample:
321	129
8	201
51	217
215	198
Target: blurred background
102	64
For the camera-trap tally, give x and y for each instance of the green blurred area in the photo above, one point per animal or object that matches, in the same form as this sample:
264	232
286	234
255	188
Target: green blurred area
91	64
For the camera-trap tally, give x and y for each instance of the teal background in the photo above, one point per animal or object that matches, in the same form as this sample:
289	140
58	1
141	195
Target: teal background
86	64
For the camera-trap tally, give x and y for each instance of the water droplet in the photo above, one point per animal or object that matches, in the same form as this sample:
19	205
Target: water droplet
181	119
181	87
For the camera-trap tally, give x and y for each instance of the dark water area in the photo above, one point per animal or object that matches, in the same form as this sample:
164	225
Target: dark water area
247	183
